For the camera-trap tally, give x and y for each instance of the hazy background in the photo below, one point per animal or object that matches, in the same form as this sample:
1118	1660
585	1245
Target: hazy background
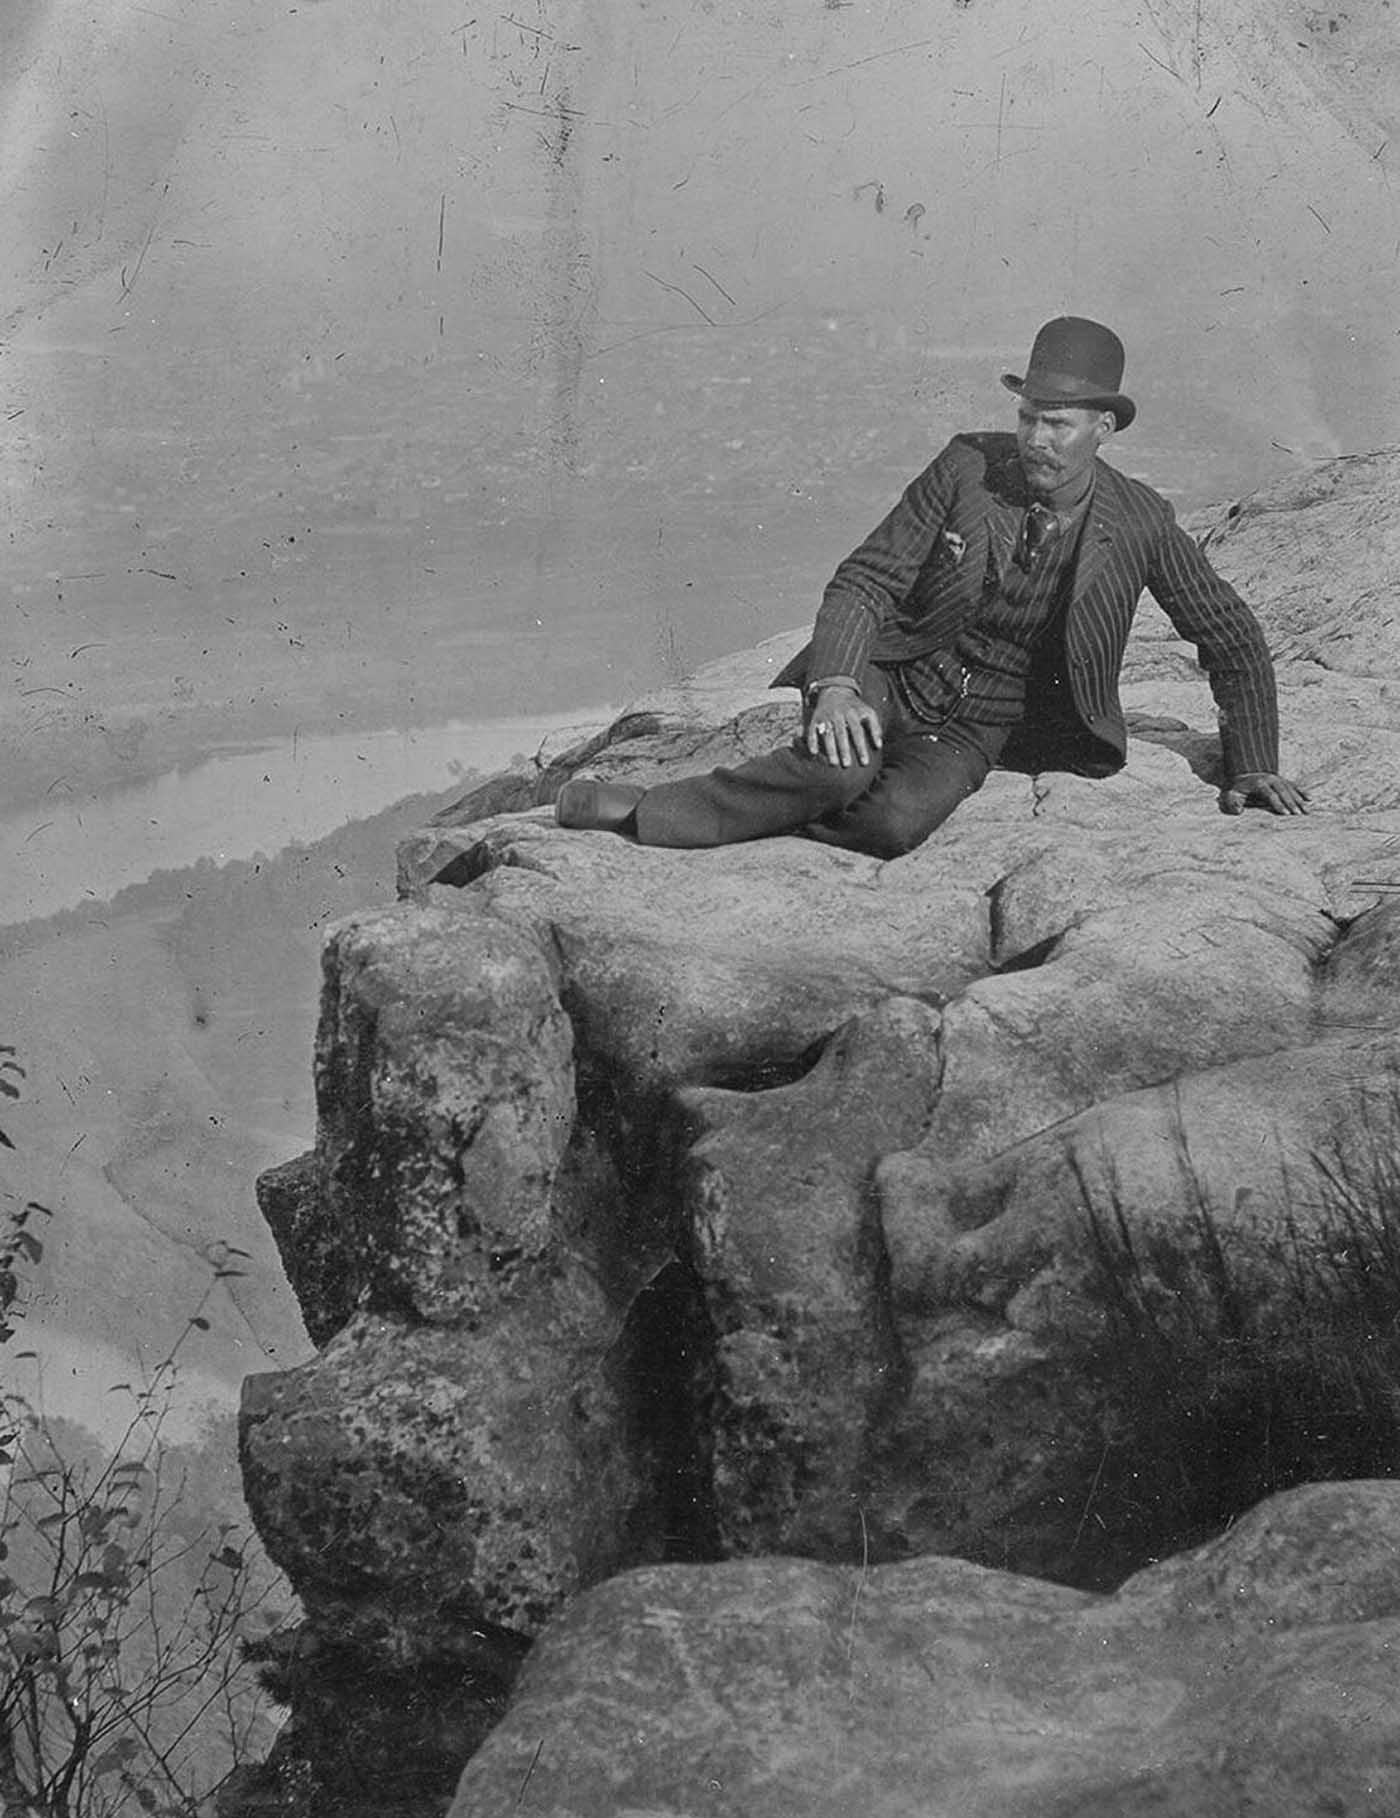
374	365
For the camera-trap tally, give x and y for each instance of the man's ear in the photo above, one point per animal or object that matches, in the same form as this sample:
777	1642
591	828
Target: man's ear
1108	427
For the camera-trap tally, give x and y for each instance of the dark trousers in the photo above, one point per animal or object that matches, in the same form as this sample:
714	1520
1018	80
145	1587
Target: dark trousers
886	807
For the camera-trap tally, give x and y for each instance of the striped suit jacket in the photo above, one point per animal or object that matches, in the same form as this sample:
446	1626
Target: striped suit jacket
919	579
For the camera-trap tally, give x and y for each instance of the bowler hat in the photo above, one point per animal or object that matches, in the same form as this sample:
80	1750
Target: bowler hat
1078	363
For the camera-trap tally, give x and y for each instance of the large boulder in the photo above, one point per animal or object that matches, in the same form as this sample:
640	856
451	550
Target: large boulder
857	1129
463	1443
1091	978
444	1092
1254	1675
442	1492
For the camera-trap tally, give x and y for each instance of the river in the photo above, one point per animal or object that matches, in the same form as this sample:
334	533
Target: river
67	853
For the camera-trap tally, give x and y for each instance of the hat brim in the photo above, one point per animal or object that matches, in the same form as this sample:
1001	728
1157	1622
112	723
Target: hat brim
1123	408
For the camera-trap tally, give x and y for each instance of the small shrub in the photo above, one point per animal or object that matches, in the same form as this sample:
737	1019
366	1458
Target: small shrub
124	1682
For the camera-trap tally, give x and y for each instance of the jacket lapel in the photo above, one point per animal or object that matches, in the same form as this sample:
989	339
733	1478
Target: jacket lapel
1003	501
1101	529
1002	523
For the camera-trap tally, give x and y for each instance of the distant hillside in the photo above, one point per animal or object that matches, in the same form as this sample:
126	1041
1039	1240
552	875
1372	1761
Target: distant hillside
167	1038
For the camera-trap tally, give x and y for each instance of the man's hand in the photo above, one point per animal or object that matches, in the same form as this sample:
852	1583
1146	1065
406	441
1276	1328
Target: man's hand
1265	790
843	728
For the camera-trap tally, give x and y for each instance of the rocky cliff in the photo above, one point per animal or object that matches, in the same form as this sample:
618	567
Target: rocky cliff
1022	1206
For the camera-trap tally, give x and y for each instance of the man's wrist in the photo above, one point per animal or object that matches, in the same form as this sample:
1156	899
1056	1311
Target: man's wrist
813	689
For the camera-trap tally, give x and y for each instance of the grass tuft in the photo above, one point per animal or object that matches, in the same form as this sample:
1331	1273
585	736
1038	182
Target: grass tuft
1241	1355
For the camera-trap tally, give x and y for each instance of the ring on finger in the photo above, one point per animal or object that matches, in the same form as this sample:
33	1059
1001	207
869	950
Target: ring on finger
822	729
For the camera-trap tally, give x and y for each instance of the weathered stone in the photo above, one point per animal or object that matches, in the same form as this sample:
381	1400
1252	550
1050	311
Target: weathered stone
1241	1142
444	1089
321	1267
1123	959
1080	956
1362	980
426	1487
1256	1674
1281	545
793	1278
471	1447
1220	1199
686	968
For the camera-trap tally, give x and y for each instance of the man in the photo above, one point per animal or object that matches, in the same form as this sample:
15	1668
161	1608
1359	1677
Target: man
983	623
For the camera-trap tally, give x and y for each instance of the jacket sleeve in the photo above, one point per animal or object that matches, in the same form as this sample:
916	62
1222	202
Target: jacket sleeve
1206	609
873	581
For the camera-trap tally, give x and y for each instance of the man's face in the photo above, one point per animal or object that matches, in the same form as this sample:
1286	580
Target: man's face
1058	444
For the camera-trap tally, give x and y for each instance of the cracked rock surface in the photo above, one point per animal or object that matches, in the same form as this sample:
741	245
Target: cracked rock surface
1132	1009
1250	1676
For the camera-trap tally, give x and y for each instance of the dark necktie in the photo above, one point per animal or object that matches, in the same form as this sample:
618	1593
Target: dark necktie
1038	532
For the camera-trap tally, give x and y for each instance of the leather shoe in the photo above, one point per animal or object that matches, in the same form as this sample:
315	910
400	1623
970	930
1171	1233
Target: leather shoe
588	802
